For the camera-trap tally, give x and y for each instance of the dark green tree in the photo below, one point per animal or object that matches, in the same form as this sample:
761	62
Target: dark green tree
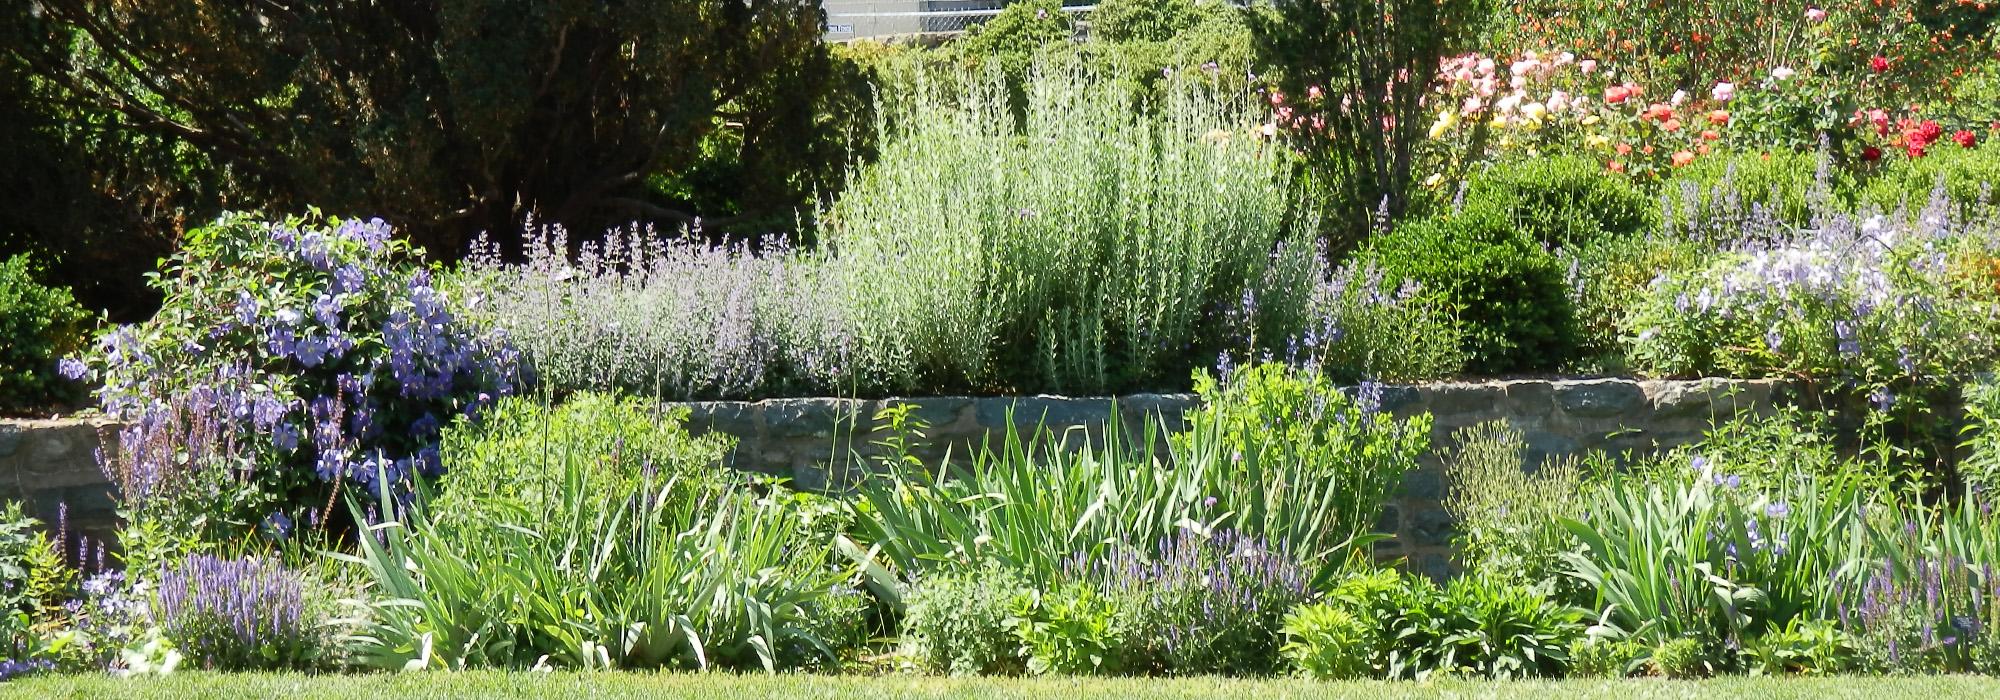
453	117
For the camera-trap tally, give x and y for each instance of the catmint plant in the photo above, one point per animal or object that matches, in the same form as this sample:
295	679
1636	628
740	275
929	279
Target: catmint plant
1201	603
237	614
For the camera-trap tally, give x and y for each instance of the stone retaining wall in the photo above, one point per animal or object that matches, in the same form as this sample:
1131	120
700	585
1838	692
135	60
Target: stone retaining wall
52	462
51	465
798	438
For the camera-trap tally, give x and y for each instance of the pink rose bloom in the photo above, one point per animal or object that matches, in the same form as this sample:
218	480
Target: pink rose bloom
1783	73
1526	67
1565	58
1474	104
1587	65
1724	92
1815	15
1518	82
1558	101
1680	96
1486	66
1313	92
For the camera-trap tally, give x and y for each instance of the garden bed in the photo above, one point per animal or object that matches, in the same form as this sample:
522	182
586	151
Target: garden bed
196	686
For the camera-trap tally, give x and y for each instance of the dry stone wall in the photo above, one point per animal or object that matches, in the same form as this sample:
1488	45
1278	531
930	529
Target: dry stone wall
50	463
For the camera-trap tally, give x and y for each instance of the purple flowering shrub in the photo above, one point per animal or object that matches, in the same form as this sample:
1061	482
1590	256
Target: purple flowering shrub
1877	301
289	360
1200	604
239	614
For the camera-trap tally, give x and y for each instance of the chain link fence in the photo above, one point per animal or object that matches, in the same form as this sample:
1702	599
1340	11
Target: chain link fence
867	19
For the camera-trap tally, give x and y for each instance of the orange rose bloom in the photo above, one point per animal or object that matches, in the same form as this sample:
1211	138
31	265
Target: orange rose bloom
1615	166
1683	158
1718	117
1671	125
1710	135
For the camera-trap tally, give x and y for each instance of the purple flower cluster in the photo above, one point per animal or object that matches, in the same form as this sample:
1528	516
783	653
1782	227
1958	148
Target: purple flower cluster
235	613
15	668
1213	603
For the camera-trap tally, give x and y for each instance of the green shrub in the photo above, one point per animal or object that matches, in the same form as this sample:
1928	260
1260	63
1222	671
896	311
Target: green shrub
1684	657
1309	468
1072	630
1501	630
1472	626
1019	33
963	622
1209	39
1508	291
1328	642
1563	201
1598	657
39	326
1507	517
600	560
1965	176
1144	20
520	454
1816	647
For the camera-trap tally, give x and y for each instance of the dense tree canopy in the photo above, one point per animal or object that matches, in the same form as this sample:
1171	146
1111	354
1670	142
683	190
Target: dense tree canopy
453	117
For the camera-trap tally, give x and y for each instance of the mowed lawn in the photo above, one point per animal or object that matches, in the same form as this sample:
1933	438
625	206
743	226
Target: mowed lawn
719	686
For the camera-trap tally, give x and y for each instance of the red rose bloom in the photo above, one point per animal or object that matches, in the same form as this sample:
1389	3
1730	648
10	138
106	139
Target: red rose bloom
1871	154
1878	64
1965	138
1922	134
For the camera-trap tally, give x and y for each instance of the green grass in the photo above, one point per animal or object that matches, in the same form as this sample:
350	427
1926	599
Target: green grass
619	685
